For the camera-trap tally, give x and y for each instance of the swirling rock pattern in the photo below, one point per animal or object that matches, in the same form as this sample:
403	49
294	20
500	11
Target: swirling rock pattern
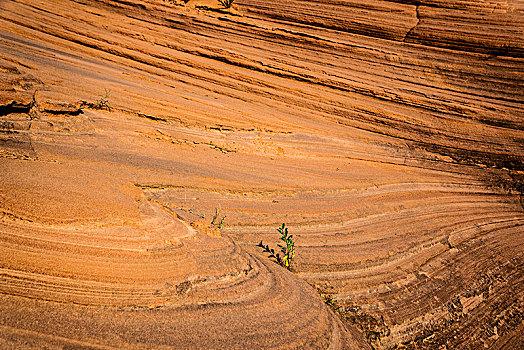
388	135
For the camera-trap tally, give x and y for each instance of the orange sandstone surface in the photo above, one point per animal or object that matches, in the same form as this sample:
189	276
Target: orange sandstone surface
387	135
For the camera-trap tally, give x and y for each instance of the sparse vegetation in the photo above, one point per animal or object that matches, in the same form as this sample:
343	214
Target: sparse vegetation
329	299
226	3
215	222
103	102
287	250
373	328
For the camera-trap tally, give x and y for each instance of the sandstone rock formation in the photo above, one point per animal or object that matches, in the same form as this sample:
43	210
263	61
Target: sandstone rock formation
388	136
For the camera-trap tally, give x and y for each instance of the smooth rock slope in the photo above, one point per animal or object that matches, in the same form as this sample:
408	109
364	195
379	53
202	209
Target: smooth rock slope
388	136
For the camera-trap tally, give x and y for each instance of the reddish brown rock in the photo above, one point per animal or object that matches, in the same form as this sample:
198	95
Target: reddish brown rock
387	135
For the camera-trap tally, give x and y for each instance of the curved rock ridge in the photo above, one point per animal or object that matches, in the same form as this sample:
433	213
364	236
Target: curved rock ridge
110	268
387	135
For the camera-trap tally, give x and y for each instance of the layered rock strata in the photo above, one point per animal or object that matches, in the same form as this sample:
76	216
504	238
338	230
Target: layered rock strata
388	135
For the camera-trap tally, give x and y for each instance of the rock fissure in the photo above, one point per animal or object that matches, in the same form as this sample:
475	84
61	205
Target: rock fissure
410	31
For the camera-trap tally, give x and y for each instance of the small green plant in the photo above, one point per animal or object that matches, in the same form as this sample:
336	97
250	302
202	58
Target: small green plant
226	3
287	250
215	218
330	300
221	223
103	102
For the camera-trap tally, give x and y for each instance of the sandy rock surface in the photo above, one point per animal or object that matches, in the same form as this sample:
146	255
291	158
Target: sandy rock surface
387	135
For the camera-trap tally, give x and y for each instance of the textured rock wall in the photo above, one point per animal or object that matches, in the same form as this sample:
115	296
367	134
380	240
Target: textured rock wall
388	135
